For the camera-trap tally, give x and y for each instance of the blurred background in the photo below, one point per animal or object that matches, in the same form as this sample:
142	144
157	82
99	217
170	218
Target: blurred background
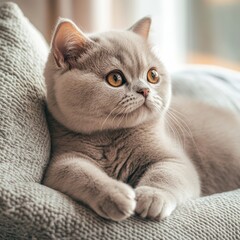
183	31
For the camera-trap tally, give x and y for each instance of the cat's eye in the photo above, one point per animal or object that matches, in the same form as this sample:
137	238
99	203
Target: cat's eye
115	79
153	76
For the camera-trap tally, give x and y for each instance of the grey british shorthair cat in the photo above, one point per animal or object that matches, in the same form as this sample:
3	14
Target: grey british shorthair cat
120	142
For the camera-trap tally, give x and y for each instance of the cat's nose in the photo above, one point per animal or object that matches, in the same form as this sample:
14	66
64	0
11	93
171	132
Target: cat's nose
144	91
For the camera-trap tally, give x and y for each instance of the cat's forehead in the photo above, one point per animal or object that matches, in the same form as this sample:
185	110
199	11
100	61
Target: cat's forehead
118	50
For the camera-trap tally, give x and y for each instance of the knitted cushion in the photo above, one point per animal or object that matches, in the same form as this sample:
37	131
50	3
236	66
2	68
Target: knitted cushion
24	137
29	210
33	211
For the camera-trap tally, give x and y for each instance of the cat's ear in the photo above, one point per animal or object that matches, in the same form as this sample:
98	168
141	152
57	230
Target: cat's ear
68	43
142	27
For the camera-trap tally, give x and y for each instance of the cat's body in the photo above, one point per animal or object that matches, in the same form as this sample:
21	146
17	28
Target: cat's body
168	154
125	154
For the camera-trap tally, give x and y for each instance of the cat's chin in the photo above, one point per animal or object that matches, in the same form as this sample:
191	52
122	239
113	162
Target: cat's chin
138	116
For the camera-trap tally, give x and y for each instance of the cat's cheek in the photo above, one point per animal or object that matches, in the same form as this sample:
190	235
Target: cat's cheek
152	203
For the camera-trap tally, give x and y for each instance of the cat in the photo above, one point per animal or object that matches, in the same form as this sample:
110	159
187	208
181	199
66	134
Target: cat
121	143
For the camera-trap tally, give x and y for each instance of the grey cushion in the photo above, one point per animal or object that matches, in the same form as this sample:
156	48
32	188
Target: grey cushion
37	211
29	210
214	85
24	138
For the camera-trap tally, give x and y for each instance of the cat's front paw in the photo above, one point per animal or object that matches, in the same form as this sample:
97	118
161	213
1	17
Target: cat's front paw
117	202
153	203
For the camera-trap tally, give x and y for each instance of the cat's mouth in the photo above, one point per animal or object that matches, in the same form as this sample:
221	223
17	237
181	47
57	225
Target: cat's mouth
135	110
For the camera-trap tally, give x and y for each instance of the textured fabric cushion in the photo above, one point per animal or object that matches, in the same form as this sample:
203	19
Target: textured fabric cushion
29	210
214	85
24	138
37	212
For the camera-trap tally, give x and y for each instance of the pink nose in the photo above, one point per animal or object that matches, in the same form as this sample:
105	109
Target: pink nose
144	91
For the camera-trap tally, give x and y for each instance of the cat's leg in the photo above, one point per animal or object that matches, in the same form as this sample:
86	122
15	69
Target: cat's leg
82	180
165	185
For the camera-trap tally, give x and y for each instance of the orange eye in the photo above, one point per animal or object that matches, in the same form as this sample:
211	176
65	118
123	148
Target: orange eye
115	79
153	76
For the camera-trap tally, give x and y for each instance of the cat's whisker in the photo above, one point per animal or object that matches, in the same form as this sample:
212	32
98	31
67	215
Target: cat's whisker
116	108
108	116
169	127
124	114
158	98
184	124
178	124
181	121
157	107
186	128
177	136
120	112
175	133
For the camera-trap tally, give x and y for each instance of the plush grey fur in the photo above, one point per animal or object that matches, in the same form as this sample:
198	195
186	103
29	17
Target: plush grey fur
120	152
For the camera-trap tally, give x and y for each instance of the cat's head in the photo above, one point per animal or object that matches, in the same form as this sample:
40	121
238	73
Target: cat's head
105	81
